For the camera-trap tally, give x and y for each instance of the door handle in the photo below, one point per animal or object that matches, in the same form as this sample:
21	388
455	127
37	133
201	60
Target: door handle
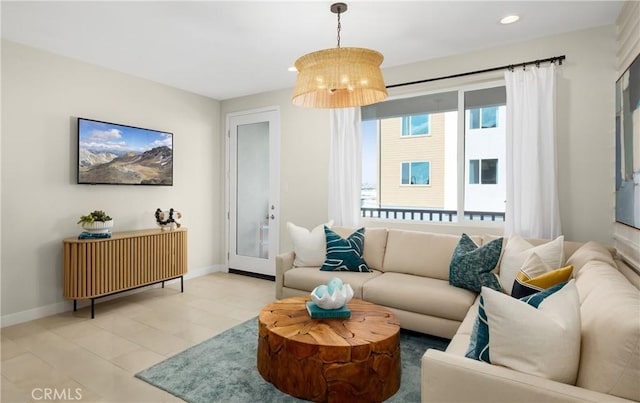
272	217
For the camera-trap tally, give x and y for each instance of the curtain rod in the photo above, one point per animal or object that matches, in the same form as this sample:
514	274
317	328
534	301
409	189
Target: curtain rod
508	66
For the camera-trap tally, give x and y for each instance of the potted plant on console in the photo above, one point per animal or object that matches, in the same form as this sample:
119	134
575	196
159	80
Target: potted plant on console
96	224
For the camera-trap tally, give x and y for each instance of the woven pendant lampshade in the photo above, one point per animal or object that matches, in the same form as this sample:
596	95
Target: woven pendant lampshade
339	77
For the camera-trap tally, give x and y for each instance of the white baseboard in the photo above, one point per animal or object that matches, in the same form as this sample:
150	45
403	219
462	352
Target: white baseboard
35	313
65	306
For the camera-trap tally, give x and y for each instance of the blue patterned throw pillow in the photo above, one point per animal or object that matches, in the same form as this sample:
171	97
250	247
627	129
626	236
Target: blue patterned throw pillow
344	254
479	341
471	265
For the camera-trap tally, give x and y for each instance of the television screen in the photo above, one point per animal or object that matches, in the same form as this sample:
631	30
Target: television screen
113	154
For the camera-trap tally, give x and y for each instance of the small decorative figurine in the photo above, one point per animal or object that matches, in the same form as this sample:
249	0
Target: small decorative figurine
168	220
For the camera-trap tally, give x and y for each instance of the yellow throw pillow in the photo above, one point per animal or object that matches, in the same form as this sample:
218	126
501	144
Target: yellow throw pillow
526	284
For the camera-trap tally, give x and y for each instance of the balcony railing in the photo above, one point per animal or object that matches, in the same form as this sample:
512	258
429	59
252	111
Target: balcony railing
428	215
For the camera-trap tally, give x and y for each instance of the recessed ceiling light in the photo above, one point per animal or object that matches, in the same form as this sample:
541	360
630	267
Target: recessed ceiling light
292	68
510	19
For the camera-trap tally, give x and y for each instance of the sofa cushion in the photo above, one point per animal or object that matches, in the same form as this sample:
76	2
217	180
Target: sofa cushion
424	295
516	252
544	342
375	243
309	246
471	265
610	358
344	254
423	254
308	278
460	342
590	251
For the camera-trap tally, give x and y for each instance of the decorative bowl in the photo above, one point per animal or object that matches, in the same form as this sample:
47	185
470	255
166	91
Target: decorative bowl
98	227
340	296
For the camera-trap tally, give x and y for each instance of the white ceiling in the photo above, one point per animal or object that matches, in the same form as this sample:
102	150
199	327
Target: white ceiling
226	49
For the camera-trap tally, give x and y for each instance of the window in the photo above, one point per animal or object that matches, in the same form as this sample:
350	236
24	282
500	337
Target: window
483	172
474	172
415	173
415	125
483	118
489	172
435	175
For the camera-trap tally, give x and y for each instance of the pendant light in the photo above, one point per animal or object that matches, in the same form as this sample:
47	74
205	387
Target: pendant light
339	77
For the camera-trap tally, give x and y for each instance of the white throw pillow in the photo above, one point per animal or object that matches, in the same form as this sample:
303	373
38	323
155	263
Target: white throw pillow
544	342
518	250
310	247
534	266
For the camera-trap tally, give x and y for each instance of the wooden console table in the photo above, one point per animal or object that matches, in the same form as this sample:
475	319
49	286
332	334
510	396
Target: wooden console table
95	268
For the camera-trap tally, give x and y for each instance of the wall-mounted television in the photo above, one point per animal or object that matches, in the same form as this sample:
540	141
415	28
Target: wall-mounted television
115	154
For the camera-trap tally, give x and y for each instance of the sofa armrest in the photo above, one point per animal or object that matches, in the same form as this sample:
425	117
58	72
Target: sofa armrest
284	262
451	378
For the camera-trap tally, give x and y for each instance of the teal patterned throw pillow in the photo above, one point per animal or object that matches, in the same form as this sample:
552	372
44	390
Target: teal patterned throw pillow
479	341
471	265
344	254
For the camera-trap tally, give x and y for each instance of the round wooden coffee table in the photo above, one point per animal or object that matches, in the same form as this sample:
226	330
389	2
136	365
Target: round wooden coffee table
354	359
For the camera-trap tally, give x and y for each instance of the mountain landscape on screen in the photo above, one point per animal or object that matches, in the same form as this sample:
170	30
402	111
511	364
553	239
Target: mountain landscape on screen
152	167
115	154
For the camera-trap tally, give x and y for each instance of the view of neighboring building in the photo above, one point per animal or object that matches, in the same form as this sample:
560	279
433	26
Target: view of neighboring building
411	161
485	183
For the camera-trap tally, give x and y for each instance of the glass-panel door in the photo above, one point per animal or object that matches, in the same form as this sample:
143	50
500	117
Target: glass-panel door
253	191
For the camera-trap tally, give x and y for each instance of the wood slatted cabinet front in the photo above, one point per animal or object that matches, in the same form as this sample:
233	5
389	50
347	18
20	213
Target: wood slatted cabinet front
95	268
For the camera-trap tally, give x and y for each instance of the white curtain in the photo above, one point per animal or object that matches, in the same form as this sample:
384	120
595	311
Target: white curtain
345	166
532	208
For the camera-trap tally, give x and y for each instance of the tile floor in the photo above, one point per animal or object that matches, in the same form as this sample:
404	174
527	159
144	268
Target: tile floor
70	357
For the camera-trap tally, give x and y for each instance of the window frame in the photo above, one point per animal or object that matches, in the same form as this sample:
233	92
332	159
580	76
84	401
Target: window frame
478	172
495	169
460	162
481	119
414	184
408	124
480	176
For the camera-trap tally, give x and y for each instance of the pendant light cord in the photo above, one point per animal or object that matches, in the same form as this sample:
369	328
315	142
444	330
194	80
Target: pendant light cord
339	27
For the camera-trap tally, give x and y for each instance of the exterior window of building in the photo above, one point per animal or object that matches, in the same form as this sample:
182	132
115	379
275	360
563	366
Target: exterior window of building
474	172
423	160
416	125
489	175
483	172
415	173
483	118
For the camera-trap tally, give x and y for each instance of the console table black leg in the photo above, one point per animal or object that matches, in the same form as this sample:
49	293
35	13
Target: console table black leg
75	306
181	283
92	307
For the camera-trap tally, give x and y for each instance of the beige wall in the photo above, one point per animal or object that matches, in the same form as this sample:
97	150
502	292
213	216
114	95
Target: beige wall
42	94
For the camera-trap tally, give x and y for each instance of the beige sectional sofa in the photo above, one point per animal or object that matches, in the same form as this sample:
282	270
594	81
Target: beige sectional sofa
410	273
609	369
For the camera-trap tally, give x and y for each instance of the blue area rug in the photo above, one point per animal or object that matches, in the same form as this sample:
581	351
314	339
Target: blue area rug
223	369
